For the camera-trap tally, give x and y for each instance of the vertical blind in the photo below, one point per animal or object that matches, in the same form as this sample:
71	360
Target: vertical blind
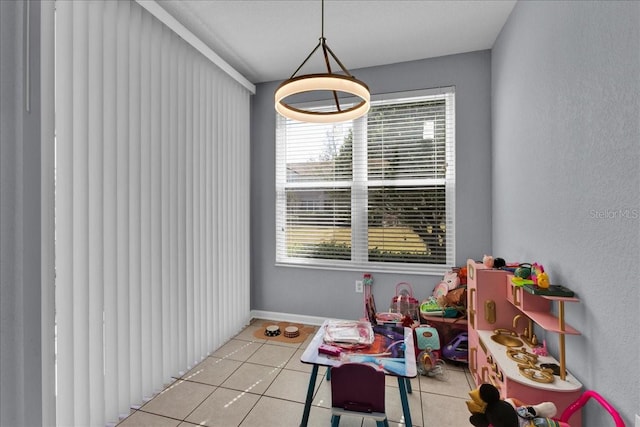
377	192
152	208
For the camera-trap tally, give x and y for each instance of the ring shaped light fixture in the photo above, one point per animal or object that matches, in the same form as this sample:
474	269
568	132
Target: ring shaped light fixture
328	81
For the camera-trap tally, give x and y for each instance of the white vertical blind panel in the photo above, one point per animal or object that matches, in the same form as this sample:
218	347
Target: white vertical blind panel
145	204
79	158
64	215
223	249
188	208
95	144
152	187
110	214
165	61
173	205
135	259
156	217
122	234
197	225
180	175
212	313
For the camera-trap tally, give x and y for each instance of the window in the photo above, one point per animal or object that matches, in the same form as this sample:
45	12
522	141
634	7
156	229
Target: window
374	194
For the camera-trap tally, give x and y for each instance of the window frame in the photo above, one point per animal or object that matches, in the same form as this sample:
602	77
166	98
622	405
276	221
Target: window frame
359	192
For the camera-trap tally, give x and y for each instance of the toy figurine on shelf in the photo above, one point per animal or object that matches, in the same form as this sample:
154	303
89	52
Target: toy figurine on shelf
487	260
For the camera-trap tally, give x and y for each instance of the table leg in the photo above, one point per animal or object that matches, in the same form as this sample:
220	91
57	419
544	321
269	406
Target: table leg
402	385
307	403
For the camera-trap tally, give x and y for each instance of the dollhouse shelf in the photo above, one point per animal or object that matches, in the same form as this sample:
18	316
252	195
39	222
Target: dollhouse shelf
550	322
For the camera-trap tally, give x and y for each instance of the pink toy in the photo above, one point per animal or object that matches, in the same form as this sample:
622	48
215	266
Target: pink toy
582	400
451	279
540	351
536	270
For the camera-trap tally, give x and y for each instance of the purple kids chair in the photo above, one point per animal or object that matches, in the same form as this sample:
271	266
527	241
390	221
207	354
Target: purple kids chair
358	389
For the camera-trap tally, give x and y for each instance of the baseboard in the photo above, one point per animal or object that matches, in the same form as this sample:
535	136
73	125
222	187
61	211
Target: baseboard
287	317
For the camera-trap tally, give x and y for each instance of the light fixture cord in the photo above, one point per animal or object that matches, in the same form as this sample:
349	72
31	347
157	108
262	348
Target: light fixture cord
323	42
322	21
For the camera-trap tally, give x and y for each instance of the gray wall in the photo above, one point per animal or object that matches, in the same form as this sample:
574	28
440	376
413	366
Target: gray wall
331	293
566	176
20	298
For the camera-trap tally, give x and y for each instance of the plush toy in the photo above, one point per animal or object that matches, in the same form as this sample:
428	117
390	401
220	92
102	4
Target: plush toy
499	263
487	260
487	409
451	279
462	275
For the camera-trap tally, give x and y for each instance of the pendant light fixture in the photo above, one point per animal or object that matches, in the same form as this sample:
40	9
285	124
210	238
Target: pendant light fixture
328	81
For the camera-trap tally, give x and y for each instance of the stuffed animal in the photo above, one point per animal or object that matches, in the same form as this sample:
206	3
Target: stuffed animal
487	260
488	409
451	279
462	275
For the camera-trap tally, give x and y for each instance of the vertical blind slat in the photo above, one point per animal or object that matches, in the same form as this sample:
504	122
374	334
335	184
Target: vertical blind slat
64	212
80	275
180	172
165	208
95	146
173	208
145	202
188	209
110	213
135	354
122	202
210	257
157	353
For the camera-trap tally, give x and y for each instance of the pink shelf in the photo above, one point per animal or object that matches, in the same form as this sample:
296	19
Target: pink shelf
550	322
565	299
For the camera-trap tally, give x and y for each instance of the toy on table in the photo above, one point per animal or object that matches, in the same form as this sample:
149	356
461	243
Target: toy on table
488	409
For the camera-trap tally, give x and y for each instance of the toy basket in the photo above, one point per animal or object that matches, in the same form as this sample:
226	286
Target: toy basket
404	302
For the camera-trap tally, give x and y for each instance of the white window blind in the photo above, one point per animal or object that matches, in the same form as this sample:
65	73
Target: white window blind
152	208
374	193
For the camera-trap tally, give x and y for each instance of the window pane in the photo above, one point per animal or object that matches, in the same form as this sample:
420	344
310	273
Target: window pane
318	152
407	140
407	224
318	223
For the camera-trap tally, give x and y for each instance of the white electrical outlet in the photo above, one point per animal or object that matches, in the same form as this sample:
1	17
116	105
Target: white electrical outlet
359	286
637	420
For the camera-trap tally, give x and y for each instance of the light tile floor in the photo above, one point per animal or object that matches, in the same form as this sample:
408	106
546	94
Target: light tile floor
250	382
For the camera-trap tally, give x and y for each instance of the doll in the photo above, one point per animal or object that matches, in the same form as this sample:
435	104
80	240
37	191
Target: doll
487	409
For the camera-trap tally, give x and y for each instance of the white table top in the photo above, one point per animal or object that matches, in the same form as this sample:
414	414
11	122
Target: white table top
312	356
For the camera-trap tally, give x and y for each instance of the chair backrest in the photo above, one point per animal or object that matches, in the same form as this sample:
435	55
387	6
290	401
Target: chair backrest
357	387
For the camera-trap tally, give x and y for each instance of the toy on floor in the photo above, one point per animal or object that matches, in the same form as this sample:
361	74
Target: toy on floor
582	400
428	360
488	409
457	349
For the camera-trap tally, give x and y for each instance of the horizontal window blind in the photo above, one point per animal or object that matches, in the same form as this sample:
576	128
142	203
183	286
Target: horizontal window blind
152	208
375	192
